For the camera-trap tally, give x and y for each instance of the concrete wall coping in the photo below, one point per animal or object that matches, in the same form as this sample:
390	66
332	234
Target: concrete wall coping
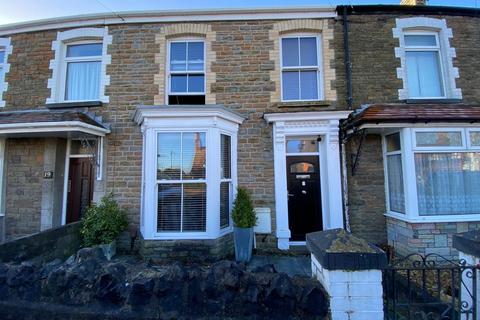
468	242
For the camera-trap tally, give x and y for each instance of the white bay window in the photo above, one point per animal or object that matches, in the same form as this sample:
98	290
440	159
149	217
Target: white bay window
189	171
439	169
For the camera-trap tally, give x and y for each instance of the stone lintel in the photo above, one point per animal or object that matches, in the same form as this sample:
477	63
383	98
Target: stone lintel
338	249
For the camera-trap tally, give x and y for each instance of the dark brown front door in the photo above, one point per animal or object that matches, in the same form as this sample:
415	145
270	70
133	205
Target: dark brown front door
304	201
79	188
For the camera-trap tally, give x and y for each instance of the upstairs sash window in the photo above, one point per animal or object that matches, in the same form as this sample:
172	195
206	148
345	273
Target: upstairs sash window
82	71
186	72
300	68
2	68
423	62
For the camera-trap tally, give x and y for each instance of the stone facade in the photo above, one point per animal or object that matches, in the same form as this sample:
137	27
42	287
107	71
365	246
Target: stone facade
425	238
24	170
374	80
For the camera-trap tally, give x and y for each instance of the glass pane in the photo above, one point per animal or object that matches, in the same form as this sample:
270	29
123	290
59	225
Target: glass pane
308	85
178	83
84	50
423	74
178	56
290	85
301	145
169	207
290	52
438	139
196	83
168	156
395	183
225	155
2	56
393	142
195	56
83	81
224	204
308	51
302	167
420	40
83	147
194	207
193	155
475	138
448	183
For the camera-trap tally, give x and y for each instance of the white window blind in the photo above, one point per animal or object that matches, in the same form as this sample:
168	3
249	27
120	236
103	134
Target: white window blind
181	181
83	70
300	68
226	180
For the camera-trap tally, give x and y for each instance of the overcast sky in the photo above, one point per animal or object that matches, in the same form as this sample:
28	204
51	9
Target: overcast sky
24	10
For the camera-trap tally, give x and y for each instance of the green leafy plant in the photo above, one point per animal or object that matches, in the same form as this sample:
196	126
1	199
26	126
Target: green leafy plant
243	214
103	222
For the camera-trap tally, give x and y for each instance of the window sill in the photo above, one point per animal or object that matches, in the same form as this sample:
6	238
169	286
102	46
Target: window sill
435	219
432	100
78	104
300	104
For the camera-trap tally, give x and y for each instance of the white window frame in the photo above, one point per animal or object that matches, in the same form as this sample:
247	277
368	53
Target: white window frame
211	120
228	228
195	72
318	68
206	181
5	45
409	149
385	170
57	82
66	60
437	49
424	25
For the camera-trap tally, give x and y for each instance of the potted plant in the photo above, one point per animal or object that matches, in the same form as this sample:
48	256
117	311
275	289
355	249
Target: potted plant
102	224
244	219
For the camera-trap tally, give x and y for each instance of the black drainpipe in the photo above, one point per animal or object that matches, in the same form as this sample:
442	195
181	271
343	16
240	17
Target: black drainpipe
348	64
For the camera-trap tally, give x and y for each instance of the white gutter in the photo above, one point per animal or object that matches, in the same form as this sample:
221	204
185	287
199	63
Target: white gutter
49	127
170	16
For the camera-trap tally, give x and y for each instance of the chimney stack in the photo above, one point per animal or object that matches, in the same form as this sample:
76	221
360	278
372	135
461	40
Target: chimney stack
413	2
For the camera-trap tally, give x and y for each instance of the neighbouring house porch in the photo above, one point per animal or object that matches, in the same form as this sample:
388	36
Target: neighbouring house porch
49	165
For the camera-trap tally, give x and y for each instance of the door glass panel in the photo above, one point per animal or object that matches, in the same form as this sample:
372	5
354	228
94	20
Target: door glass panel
301	145
302	167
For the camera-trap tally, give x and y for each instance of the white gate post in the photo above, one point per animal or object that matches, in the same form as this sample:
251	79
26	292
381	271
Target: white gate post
350	270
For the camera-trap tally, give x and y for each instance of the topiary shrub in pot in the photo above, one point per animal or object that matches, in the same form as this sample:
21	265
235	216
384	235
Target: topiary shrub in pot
244	219
102	224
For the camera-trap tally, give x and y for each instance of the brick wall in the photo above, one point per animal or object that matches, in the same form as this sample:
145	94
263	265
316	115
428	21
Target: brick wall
24	169
425	238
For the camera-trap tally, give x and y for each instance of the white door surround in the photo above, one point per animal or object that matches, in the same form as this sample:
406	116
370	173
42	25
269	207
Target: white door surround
319	123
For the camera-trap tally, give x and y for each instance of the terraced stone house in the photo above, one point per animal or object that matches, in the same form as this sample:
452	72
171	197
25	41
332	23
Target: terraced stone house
320	112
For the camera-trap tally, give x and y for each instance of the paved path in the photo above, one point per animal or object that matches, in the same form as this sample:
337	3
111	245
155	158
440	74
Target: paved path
293	266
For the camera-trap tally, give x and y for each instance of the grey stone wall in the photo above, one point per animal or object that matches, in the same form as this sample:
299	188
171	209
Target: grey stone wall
188	250
425	238
44	246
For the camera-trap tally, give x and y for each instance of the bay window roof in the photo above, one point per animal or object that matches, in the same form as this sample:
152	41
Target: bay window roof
378	115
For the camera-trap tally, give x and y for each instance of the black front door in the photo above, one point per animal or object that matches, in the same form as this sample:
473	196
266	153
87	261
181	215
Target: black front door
304	201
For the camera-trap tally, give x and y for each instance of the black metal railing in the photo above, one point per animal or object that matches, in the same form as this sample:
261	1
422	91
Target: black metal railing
430	287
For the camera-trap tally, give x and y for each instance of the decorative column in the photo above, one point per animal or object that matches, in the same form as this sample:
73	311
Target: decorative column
350	270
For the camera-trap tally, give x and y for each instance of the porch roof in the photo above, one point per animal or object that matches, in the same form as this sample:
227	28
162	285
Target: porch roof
391	114
42	123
